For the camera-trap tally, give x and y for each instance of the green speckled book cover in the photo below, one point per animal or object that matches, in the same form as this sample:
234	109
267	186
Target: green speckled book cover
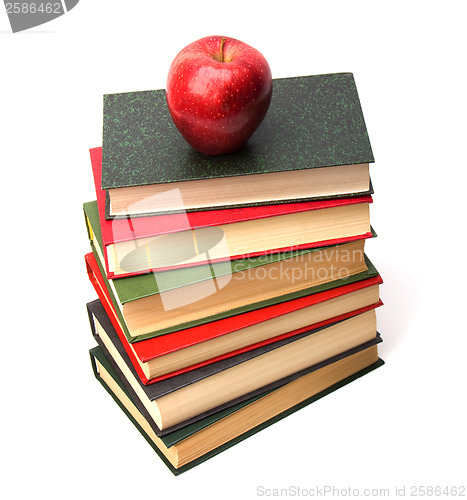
313	121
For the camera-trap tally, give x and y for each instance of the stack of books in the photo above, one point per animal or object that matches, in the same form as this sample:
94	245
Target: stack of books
233	289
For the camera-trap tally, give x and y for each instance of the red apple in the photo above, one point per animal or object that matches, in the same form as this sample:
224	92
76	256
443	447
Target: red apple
218	92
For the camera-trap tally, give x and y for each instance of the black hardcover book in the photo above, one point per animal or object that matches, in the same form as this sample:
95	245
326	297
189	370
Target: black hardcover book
183	451
313	123
108	340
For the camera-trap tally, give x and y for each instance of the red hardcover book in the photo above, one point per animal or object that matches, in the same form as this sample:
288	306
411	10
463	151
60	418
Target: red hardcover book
146	350
139	233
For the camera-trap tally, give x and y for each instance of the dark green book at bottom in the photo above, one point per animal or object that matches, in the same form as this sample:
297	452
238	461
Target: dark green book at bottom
249	419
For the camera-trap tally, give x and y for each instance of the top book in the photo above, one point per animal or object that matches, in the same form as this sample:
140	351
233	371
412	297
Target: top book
314	128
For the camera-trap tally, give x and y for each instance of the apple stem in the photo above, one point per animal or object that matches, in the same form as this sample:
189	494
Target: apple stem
222	50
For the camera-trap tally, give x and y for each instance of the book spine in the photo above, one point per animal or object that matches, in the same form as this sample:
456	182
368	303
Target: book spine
114	320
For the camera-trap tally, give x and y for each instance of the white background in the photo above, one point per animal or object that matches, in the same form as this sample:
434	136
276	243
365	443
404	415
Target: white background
62	436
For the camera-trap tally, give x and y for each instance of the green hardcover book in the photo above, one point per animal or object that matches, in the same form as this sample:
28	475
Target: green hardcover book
139	301
312	144
189	447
